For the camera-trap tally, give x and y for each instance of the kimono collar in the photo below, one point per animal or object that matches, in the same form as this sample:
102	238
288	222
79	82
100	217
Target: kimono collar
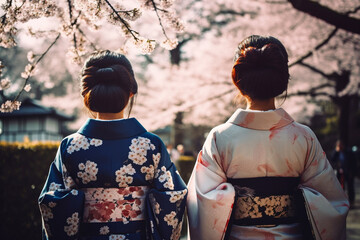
117	129
268	120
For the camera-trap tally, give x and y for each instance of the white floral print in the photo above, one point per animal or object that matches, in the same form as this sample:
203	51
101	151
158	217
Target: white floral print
104	230
96	142
171	220
46	212
155	205
122	175
165	177
73	222
138	150
177	195
117	237
81	142
156	159
52	204
150	171
54	186
87	172
68	180
156	208
74	192
176	232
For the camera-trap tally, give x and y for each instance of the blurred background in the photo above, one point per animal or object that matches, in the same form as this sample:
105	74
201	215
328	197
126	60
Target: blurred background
183	92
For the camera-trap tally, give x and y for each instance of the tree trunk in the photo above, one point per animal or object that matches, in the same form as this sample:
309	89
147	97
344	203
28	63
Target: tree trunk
178	129
343	104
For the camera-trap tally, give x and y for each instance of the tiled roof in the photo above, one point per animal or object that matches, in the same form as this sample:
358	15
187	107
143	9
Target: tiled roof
30	107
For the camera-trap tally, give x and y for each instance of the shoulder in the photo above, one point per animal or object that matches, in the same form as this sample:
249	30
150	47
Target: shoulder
66	141
148	136
222	131
304	130
222	128
148	139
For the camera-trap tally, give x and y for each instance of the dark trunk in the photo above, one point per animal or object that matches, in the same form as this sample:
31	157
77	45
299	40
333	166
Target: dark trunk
343	104
179	129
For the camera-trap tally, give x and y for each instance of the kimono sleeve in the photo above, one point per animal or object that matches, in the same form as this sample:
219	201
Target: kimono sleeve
210	200
166	199
325	201
61	205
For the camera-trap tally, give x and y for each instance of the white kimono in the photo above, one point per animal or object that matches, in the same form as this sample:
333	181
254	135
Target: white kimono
254	144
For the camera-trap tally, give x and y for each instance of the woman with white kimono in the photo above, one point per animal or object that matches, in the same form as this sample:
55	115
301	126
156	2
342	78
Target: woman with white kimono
111	179
261	175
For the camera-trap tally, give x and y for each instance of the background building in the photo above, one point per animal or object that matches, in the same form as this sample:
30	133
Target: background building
33	122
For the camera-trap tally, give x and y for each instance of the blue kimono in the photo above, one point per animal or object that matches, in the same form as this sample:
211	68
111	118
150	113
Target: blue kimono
112	180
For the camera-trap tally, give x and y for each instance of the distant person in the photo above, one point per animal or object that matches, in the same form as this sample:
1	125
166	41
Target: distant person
344	164
174	154
111	179
258	172
180	148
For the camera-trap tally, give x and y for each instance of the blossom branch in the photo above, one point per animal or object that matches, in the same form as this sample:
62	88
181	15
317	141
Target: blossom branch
317	47
85	36
32	67
158	16
122	20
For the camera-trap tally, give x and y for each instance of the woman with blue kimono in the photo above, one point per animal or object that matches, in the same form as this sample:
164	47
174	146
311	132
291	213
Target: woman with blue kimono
261	175
111	179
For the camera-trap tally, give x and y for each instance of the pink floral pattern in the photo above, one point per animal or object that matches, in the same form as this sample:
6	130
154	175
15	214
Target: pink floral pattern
115	204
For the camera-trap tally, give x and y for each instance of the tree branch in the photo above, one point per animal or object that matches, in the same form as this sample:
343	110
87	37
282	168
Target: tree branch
316	70
33	66
86	37
158	16
122	20
339	20
233	12
312	92
317	47
186	107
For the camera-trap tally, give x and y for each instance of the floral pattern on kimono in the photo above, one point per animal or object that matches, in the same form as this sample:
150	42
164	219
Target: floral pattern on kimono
112	180
254	144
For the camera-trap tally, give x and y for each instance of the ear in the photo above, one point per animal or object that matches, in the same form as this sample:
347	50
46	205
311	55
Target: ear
131	95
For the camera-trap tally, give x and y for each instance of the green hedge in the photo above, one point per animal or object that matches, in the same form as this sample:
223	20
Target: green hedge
185	166
23	171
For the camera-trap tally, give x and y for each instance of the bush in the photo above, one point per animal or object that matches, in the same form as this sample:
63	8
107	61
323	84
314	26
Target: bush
23	171
185	166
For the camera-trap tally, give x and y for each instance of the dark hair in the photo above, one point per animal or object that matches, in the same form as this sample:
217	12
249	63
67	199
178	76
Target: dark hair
107	80
261	67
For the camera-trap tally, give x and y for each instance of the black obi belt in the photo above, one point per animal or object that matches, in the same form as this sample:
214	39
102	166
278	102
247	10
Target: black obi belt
265	201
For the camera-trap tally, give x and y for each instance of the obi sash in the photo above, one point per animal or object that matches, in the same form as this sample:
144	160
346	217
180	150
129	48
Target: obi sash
265	201
121	209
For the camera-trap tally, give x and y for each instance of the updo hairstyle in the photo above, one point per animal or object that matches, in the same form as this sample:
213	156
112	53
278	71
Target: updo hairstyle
107	81
261	67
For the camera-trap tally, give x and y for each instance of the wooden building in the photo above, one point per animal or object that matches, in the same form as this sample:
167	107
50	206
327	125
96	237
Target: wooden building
33	122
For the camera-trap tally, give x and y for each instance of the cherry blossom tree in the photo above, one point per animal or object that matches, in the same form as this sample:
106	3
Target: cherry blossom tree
191	74
72	19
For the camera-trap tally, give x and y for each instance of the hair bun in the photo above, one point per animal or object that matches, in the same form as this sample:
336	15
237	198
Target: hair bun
106	75
269	55
107	82
260	70
252	56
